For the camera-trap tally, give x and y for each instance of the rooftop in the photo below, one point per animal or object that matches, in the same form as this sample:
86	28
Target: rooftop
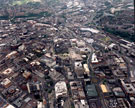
91	90
60	88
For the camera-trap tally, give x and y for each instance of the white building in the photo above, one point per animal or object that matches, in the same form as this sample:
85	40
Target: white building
94	58
90	29
40	105
11	54
87	71
111	45
60	89
10	106
7	71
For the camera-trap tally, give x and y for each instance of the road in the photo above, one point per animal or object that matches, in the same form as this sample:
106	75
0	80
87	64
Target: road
93	77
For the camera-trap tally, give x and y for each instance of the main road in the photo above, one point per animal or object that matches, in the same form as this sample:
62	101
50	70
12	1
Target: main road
93	77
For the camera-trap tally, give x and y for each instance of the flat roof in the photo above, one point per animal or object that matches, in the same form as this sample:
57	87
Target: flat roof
10	106
91	90
104	88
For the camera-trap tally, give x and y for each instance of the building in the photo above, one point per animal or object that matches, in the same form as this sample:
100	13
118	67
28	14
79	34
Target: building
123	66
26	74
128	87
70	75
112	103
87	71
84	50
7	71
74	55
79	69
132	99
90	30
11	93
13	53
40	105
73	42
49	61
119	60
29	103
18	102
111	46
35	62
94	59
61	48
118	92
91	91
106	91
4	104
10	106
81	104
60	89
104	88
78	94
95	103
77	90
122	103
33	87
89	40
6	83
80	44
